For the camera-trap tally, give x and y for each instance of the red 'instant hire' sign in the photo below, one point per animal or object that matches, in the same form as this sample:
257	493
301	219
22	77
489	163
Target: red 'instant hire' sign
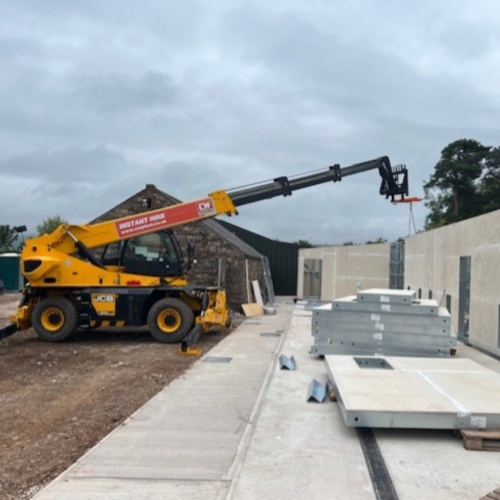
168	217
140	224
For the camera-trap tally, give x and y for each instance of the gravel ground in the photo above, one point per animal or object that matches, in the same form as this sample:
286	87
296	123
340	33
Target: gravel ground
59	399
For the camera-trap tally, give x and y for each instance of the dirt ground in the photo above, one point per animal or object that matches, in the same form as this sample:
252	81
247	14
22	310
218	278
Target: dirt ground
59	399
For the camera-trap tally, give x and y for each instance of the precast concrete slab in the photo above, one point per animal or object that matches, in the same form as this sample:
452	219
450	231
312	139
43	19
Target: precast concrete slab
327	346
386	296
417	393
331	315
400	327
375	322
405	339
350	303
320	349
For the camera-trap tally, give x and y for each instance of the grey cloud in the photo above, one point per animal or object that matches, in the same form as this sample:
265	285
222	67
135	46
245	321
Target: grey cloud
19	49
60	166
195	97
115	93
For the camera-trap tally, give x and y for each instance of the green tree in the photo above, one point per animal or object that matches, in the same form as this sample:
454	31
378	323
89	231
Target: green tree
8	236
451	193
50	224
303	243
374	242
489	188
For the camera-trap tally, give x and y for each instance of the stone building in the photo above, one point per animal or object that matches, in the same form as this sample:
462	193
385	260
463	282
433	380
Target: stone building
242	264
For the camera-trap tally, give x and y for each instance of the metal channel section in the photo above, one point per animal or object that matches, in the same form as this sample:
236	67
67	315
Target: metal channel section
316	391
287	363
417	393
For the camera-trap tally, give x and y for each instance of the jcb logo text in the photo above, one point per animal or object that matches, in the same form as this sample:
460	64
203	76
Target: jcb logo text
104	298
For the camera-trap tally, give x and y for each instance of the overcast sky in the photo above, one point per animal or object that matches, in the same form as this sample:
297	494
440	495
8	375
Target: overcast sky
100	97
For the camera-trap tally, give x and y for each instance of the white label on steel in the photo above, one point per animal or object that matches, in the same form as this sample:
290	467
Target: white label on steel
385	298
478	422
375	317
379	326
378	336
385	307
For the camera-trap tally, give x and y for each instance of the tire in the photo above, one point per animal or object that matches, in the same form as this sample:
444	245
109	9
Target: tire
55	319
170	320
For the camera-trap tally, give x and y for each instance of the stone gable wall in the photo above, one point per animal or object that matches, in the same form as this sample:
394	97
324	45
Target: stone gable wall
209	247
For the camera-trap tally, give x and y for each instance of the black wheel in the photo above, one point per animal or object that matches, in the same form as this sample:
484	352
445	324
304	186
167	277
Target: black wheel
170	320
55	319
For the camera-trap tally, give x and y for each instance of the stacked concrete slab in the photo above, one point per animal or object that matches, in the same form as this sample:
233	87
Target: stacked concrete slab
380	321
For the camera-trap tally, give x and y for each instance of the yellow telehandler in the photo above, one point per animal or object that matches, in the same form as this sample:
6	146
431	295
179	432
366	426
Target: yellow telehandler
140	277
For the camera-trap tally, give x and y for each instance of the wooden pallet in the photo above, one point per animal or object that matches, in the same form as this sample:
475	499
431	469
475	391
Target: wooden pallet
493	495
487	439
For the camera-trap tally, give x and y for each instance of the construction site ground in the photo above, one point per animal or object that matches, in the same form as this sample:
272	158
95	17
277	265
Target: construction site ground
234	426
58	400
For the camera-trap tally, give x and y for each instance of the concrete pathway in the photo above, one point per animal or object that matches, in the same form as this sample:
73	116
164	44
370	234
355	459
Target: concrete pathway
186	442
236	427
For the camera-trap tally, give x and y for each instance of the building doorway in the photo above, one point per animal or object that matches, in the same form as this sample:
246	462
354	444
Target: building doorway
464	298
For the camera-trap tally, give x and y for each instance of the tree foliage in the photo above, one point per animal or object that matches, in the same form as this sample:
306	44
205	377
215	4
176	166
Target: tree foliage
8	237
50	224
303	243
489	189
460	185
376	241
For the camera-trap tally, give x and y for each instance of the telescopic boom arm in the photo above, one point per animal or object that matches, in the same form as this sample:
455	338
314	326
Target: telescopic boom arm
78	238
390	186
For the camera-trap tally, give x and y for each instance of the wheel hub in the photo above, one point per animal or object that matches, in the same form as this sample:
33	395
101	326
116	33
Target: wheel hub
169	320
52	319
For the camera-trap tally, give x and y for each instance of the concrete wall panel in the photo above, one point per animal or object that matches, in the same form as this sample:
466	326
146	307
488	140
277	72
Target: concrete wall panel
343	267
432	262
